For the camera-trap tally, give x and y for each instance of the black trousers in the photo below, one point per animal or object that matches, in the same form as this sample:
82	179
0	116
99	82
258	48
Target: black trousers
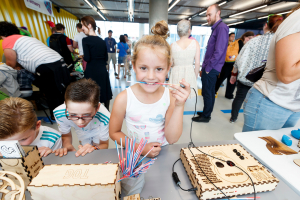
226	73
208	91
48	83
240	96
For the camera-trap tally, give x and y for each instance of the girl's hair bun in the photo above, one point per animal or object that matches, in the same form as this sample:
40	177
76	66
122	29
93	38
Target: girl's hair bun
161	28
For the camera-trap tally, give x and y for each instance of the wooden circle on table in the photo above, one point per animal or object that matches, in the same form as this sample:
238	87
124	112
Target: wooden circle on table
297	162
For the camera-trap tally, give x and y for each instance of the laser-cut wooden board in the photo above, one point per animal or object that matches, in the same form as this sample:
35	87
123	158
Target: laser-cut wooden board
231	180
276	147
27	167
133	197
76	181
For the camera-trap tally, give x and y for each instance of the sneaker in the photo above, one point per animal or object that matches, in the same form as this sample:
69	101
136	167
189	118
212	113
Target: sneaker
116	74
46	120
201	119
232	120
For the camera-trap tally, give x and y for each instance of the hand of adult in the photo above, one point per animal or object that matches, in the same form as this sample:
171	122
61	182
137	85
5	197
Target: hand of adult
232	79
83	150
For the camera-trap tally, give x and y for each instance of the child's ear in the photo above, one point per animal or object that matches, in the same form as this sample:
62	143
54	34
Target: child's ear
98	106
133	67
38	124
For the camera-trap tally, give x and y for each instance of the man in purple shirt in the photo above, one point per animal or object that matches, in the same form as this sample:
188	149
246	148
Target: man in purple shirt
213	61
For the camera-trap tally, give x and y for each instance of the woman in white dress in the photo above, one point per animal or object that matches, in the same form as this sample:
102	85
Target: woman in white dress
184	52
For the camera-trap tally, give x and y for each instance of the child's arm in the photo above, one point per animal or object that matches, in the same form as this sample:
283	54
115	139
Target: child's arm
174	115
66	145
117	117
116	121
44	151
103	145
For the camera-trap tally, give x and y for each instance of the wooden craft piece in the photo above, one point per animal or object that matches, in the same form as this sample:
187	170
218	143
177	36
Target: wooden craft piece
297	162
299	144
231	180
27	167
8	188
77	181
276	147
133	197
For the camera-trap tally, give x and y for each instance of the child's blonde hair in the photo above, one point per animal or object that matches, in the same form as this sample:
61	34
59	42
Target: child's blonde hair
17	116
161	33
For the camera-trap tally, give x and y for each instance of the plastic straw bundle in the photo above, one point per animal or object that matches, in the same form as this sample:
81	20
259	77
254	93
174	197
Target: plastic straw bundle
129	160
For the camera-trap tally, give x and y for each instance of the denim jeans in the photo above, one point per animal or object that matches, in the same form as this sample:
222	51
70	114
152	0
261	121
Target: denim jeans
208	90
260	113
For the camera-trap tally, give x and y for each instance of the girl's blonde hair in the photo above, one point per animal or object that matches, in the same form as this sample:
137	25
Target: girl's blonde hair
161	33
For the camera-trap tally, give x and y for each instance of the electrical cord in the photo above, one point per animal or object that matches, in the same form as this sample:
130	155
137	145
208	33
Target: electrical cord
191	144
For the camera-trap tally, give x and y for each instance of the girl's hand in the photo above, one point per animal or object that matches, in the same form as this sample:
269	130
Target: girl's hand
155	151
83	150
181	94
44	151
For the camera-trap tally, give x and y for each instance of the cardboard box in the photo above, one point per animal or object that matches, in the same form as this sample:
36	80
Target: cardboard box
77	181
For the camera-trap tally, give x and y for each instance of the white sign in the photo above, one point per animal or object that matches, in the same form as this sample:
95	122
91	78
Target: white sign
42	6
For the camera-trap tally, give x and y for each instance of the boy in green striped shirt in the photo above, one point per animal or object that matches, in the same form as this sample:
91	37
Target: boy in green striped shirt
19	122
86	115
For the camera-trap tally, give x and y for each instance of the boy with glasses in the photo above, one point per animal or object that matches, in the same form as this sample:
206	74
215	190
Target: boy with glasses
86	115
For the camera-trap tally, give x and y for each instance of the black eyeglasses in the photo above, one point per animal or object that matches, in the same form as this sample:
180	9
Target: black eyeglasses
75	118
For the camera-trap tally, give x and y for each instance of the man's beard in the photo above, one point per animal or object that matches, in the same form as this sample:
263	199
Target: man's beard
212	22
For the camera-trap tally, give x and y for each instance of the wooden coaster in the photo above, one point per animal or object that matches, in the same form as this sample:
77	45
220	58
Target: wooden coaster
297	162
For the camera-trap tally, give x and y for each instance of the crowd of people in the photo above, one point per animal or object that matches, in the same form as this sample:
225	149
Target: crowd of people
150	110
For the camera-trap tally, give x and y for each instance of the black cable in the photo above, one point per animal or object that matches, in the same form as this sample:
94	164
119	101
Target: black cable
191	144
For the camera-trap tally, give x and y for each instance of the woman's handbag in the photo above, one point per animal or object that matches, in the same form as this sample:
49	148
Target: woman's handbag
256	74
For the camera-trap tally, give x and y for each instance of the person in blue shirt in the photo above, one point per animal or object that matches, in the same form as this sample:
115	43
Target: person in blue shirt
53	30
111	51
122	50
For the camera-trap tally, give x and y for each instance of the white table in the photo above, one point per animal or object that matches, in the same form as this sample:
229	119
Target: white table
281	165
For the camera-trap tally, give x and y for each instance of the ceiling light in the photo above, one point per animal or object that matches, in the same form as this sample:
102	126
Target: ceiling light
174	4
190	18
263	17
246	11
204	24
87	1
284	13
202	12
222	3
235	23
101	15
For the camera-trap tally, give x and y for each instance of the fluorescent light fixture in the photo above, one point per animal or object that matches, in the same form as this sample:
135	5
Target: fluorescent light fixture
202	12
101	15
235	23
221	4
87	1
263	17
246	11
190	18
130	10
204	24
174	4
284	13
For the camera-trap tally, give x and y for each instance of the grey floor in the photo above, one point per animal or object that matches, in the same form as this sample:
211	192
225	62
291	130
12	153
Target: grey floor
217	129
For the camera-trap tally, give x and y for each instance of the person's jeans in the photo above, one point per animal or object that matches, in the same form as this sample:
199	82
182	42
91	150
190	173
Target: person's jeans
260	113
240	96
208	90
